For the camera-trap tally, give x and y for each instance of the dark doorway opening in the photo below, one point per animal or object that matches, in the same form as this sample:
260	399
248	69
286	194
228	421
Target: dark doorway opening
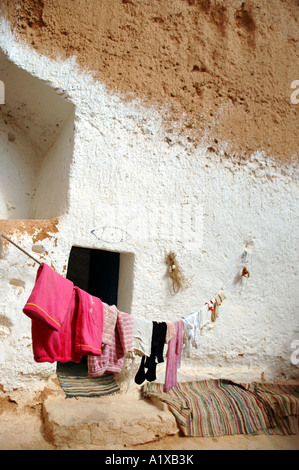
96	272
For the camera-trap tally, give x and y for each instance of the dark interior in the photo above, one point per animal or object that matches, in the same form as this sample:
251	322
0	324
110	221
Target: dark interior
96	272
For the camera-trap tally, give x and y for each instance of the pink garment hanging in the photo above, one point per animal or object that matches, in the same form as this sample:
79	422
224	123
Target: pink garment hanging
66	322
50	298
173	357
170	332
110	317
113	354
89	323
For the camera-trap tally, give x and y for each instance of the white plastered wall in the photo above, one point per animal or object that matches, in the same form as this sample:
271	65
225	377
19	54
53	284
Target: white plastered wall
36	132
18	160
134	189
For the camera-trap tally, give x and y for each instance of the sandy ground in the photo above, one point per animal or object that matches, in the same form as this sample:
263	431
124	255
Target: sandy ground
23	430
241	442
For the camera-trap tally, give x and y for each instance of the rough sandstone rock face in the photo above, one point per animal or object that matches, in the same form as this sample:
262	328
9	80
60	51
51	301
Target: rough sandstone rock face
222	69
107	422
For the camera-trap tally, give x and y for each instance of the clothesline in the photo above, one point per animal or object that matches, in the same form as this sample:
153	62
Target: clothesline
224	287
82	324
106	321
21	249
40	263
34	259
187	332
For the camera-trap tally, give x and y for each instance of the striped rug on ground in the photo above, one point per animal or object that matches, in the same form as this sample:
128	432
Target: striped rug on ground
217	407
283	400
79	386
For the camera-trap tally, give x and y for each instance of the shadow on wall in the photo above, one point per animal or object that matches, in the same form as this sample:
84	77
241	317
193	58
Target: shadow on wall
36	146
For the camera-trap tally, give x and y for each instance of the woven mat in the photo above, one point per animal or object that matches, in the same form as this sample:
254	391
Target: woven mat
79	386
283	399
211	408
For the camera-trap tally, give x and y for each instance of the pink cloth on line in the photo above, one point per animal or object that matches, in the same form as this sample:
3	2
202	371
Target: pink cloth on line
89	323
173	356
110	317
170	332
66	322
113	354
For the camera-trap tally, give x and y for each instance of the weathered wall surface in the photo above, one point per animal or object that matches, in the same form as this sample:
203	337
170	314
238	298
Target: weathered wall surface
223	67
139	184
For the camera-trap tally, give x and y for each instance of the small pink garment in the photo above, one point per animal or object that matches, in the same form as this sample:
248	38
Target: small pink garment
113	354
66	322
170	332
110	317
89	323
173	357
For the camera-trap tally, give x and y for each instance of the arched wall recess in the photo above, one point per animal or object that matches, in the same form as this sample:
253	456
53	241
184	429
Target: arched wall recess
36	146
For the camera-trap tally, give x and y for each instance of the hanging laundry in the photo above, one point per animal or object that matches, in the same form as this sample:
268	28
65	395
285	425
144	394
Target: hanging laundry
173	356
211	304
170	331
110	317
67	322
142	336
197	321
149	363
205	316
113	354
89	323
142	340
191	325
218	301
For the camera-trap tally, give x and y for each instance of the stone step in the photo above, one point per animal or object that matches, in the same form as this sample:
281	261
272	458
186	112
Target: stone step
111	422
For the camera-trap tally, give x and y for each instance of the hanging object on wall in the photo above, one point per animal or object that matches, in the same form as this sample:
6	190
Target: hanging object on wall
245	272
245	259
175	273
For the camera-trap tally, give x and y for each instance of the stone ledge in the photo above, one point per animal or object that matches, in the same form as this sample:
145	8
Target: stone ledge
112	422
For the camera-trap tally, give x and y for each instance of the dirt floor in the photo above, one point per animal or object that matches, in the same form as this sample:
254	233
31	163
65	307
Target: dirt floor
22	429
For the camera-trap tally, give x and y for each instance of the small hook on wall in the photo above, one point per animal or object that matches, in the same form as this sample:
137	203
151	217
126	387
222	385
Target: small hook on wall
245	272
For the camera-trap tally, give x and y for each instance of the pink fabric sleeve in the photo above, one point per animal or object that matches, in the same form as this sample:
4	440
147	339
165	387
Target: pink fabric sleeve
50	298
89	325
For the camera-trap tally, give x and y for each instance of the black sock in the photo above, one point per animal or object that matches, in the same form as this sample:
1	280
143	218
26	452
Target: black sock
140	376
151	373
